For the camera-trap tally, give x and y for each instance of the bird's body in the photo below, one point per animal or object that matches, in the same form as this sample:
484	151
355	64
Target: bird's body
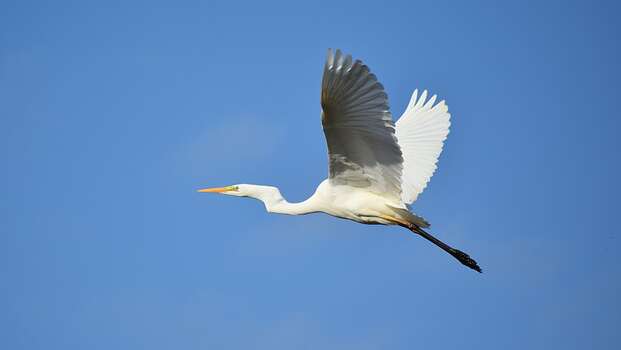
376	167
342	201
355	204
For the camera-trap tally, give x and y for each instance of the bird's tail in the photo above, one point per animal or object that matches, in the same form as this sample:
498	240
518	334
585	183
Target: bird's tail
410	217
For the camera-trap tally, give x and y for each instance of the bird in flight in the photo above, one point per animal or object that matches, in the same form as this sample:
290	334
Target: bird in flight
376	167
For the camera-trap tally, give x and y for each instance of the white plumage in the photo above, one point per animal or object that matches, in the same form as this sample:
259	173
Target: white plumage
421	132
375	169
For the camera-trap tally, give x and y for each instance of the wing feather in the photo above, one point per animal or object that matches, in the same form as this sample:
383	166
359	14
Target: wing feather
421	132
362	146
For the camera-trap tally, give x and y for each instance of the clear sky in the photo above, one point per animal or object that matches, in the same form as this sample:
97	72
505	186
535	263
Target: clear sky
112	114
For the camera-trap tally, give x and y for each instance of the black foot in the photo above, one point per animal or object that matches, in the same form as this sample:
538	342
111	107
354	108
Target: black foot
465	259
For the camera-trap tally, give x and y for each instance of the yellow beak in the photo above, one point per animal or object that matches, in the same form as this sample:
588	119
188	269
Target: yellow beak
217	189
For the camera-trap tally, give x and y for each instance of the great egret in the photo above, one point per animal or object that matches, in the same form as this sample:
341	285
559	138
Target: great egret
376	167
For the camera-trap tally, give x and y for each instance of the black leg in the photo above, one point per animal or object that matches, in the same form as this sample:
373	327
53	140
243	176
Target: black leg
456	253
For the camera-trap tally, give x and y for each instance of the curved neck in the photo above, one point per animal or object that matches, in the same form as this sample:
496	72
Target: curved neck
275	203
284	207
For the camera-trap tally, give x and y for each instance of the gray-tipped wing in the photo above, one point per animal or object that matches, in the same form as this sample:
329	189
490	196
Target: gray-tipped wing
360	133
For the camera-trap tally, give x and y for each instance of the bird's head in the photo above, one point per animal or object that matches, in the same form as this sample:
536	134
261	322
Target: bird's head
245	190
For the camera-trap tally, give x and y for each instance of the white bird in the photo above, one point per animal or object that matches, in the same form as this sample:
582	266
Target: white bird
376	167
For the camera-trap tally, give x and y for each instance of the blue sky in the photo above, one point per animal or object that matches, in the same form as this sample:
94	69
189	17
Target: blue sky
113	114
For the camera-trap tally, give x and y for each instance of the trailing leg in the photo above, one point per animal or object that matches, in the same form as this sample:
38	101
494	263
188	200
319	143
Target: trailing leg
456	253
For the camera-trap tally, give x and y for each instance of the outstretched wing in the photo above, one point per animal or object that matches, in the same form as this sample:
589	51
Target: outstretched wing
360	133
421	132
